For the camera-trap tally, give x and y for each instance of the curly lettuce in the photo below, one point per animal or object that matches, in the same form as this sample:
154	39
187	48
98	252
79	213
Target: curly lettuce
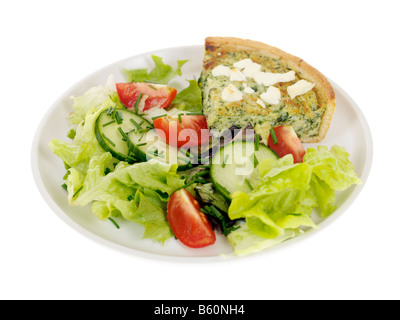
189	99
138	192
113	188
287	193
161	73
94	97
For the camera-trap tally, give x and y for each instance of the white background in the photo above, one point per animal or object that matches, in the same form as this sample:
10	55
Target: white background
47	46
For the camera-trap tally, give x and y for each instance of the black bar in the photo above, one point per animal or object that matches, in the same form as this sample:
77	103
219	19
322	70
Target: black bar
200	309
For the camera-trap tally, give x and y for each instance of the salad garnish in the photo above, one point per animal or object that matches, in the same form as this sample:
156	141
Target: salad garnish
142	151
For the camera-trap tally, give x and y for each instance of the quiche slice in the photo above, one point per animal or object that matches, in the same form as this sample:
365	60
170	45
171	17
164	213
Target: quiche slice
246	82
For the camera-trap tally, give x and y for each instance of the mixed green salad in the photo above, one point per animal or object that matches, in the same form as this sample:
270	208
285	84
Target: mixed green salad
122	160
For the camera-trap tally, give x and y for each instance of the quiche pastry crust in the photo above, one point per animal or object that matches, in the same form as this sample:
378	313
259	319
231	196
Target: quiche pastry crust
217	49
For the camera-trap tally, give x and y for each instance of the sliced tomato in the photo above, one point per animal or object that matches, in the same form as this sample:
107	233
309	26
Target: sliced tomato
287	143
187	222
186	130
153	95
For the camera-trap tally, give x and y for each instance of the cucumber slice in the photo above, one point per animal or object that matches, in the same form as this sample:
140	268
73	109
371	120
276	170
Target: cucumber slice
149	145
234	166
112	127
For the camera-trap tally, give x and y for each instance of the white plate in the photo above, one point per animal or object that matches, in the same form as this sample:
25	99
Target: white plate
348	129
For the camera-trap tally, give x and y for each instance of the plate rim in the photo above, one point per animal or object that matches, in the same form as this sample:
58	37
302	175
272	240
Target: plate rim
199	259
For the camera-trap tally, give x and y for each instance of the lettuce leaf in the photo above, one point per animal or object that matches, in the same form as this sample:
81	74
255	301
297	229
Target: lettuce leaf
280	201
287	194
113	188
332	171
161	73
93	98
324	195
137	192
78	153
189	99
244	241
332	166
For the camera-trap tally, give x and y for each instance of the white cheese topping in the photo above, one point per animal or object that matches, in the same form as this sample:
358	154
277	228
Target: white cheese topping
231	94
269	79
265	78
221	71
248	90
286	77
237	75
232	74
250	68
253	70
246	68
261	103
243	63
271	96
299	88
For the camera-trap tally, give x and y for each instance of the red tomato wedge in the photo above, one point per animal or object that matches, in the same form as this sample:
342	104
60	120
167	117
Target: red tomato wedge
187	222
186	130
153	95
287	143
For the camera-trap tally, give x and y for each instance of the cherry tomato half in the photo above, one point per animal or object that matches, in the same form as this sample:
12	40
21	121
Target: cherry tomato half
153	95
187	222
287	143
186	130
